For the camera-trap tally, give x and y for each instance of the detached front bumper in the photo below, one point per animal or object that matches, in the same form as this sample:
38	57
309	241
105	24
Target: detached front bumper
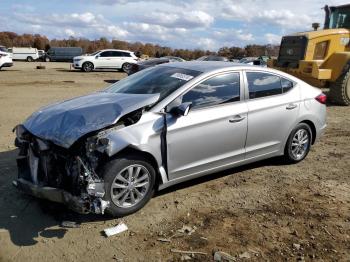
7	64
85	197
53	194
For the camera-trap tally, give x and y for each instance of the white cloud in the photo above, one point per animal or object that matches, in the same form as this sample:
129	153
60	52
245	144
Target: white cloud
233	35
206	43
206	24
272	38
184	19
69	32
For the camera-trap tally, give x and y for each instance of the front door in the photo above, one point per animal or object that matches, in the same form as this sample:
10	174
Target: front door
104	60
213	134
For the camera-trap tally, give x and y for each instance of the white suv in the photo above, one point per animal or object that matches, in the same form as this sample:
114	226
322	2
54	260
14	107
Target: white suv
104	59
5	58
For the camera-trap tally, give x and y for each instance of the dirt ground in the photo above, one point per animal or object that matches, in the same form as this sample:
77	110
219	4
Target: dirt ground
267	211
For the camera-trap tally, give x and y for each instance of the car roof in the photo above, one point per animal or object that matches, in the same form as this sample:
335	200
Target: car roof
215	66
119	50
206	66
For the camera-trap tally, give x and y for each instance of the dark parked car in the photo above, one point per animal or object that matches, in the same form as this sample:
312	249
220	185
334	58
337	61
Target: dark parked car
213	58
63	53
133	68
174	58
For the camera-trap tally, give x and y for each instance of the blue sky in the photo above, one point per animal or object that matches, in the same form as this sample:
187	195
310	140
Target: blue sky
179	24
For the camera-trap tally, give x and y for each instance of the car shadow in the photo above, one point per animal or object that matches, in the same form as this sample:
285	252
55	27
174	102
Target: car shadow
275	161
26	218
111	81
96	70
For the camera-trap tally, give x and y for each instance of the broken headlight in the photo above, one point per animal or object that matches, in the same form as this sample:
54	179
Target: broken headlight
19	131
97	144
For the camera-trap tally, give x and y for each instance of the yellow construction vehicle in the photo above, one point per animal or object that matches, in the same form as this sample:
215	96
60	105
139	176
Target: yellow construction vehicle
321	57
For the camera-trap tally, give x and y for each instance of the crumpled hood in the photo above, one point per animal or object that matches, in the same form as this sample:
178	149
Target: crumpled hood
65	122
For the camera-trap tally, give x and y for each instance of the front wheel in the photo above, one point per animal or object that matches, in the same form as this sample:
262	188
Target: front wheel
87	67
129	184
298	144
30	59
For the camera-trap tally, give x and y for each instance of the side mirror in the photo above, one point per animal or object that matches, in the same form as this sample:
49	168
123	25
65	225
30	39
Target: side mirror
96	57
182	110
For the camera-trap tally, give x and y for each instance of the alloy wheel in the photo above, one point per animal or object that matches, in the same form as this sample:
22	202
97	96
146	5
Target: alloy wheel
130	186
300	144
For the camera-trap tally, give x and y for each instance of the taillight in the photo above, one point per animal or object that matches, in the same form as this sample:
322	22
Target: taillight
322	98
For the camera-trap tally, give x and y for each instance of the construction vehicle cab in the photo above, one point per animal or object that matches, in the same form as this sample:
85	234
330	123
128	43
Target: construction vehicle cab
321	57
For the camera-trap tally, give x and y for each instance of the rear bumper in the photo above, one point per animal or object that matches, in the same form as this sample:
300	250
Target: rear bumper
320	132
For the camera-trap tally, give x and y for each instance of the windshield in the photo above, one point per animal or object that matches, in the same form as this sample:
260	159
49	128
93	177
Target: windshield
94	53
155	80
202	58
340	18
3	49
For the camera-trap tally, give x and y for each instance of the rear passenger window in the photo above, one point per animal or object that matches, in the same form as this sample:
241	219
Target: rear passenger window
214	91
263	84
286	84
125	54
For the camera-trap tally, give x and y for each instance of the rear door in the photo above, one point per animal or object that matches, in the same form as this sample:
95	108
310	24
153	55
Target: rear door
273	107
213	134
117	59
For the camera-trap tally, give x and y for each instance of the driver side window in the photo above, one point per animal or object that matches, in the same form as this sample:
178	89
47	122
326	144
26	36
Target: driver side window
106	54
217	90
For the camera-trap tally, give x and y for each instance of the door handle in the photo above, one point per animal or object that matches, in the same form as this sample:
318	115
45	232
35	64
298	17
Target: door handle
291	106
236	119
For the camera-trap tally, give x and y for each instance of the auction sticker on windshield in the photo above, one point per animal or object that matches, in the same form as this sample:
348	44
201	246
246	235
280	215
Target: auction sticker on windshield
182	76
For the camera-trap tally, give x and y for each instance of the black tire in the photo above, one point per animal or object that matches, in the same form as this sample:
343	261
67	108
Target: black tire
125	67
30	59
339	92
112	170
87	67
47	59
291	157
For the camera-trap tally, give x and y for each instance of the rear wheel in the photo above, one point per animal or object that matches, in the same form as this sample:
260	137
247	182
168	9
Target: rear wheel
340	90
88	67
125	67
298	144
47	59
30	59
129	184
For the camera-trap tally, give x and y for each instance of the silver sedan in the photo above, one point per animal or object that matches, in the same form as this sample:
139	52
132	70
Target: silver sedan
111	150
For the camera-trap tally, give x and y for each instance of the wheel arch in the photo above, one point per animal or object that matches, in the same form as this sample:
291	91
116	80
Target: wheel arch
129	150
313	129
93	65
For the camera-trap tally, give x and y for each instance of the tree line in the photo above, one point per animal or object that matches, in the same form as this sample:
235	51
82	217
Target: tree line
11	39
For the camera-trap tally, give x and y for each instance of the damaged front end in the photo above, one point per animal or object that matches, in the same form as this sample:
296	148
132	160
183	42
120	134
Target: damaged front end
68	176
62	147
